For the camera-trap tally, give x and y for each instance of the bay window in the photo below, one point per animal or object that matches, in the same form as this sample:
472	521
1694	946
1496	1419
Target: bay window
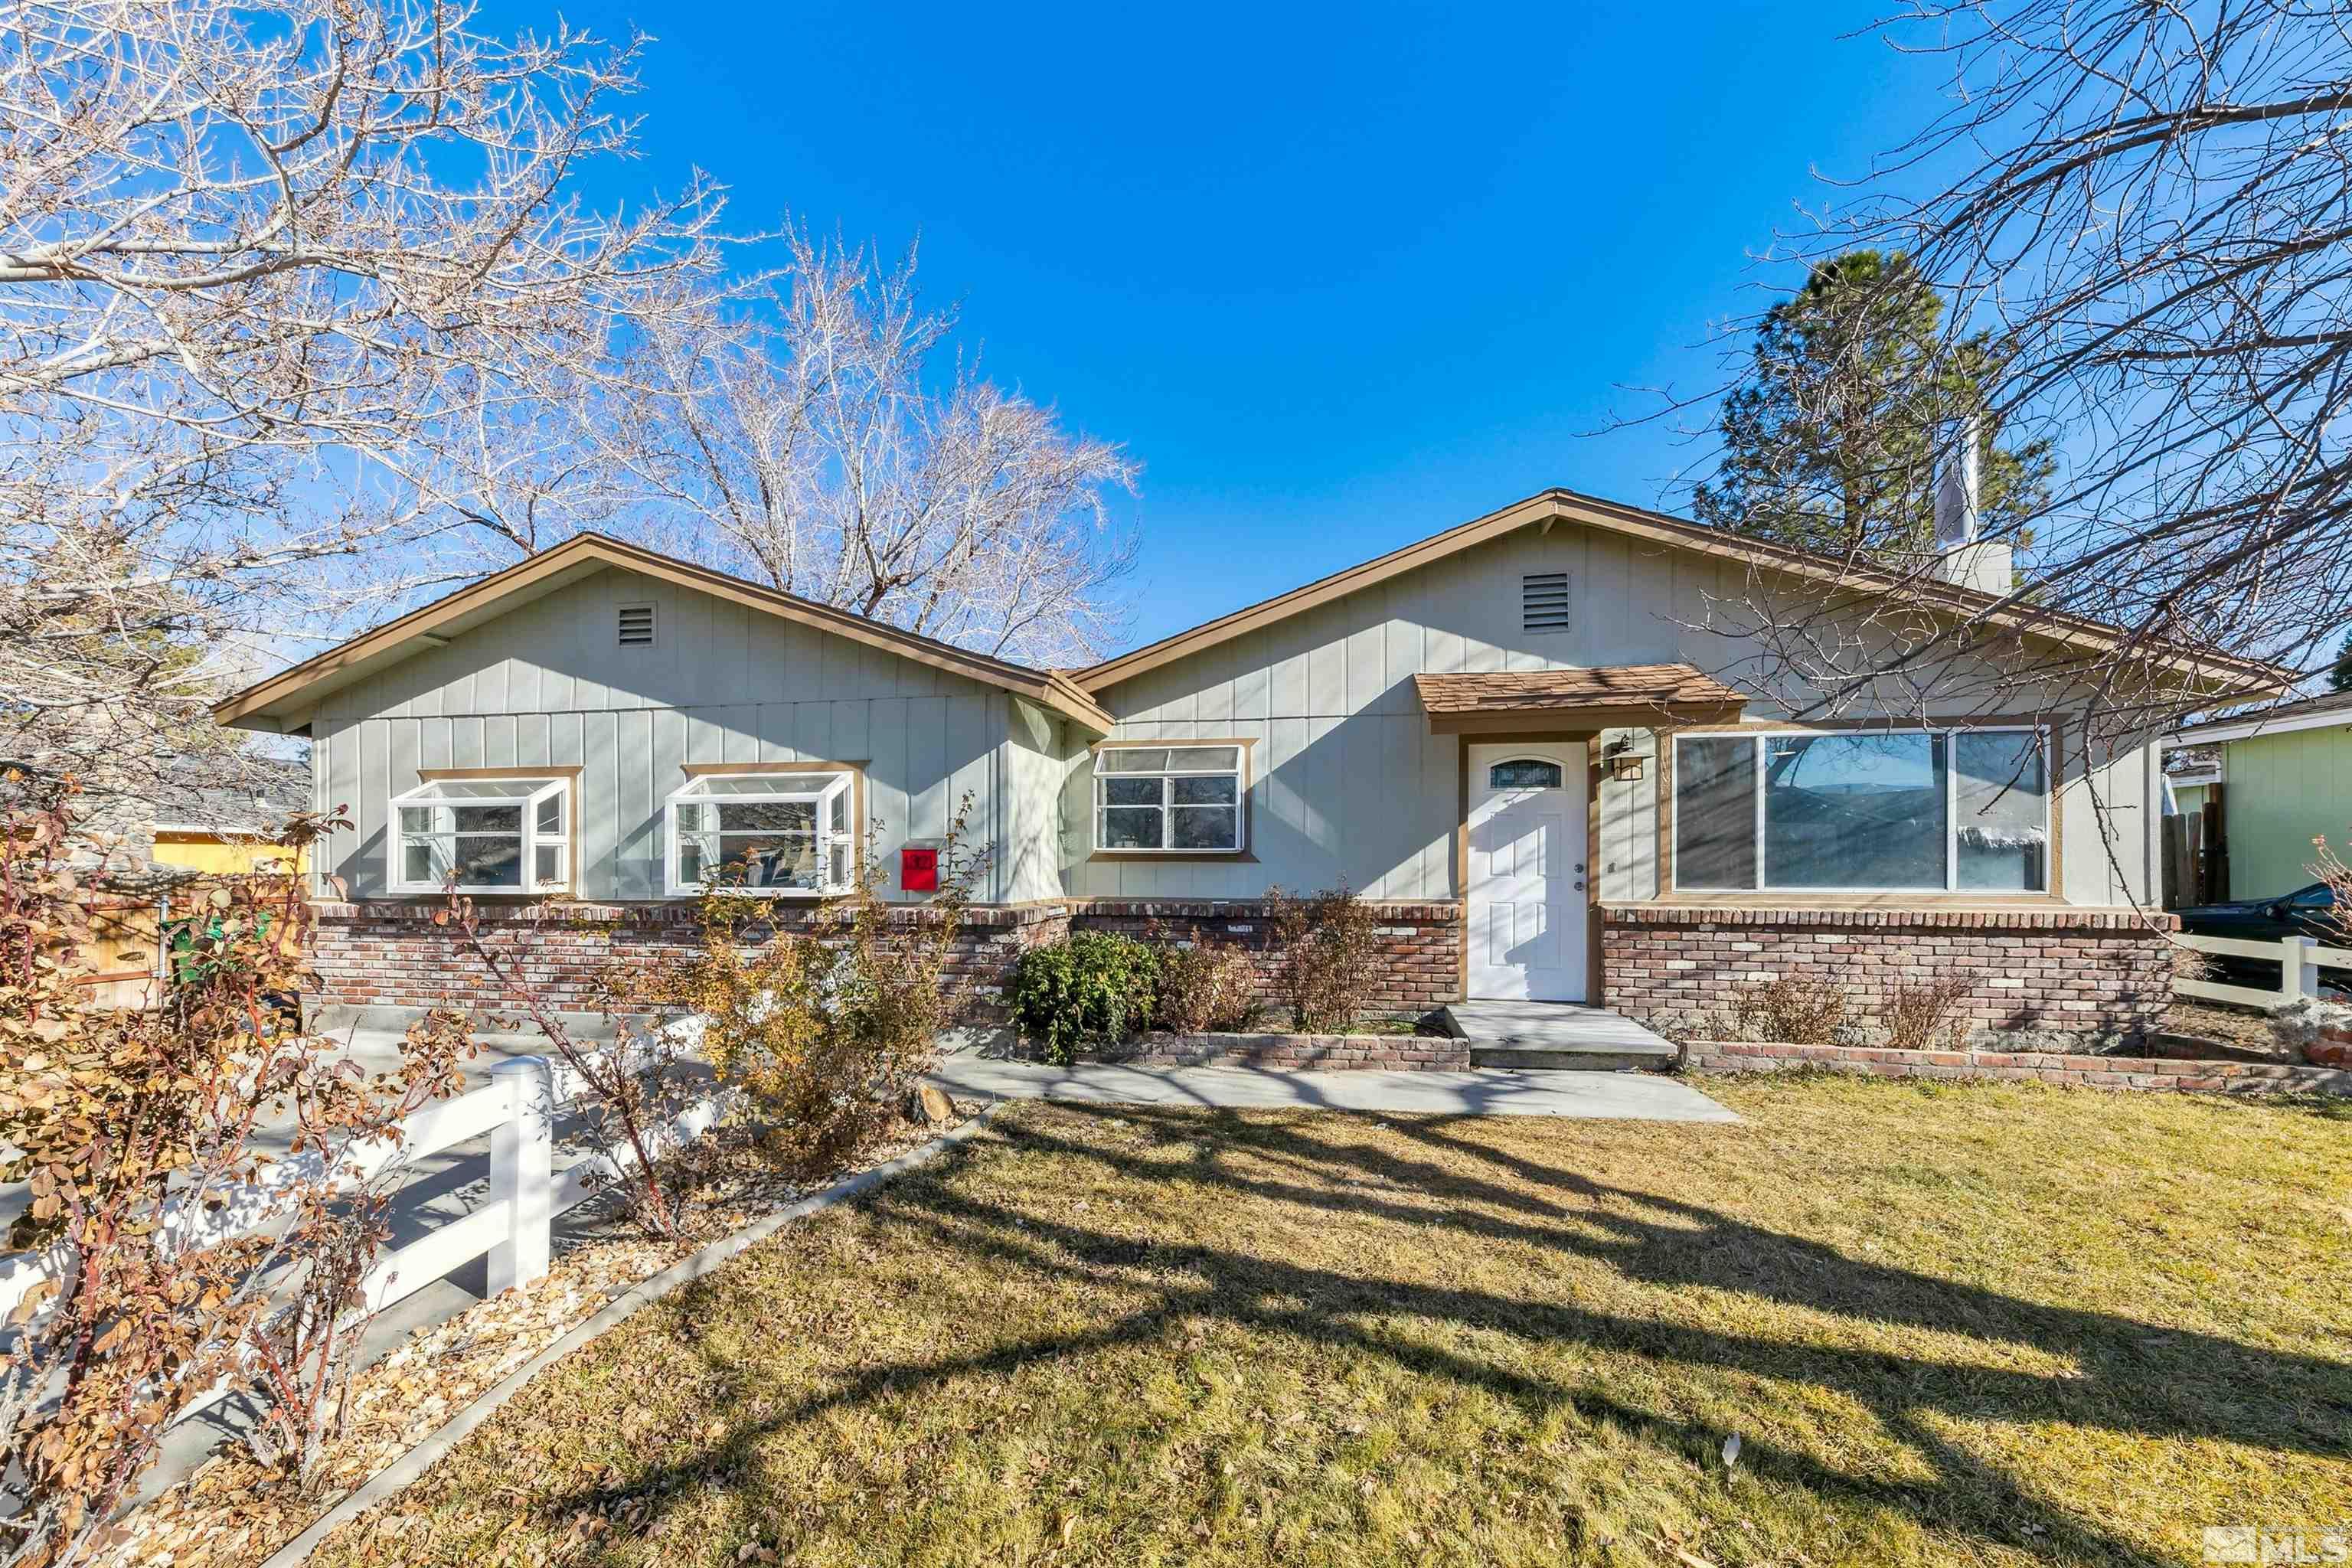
1863	811
1169	799
483	835
781	833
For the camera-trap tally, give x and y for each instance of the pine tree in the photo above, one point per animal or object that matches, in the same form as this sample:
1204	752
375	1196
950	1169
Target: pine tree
2339	674
1830	441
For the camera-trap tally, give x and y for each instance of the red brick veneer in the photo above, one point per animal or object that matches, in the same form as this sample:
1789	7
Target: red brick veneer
2163	1073
1421	946
2049	968
391	954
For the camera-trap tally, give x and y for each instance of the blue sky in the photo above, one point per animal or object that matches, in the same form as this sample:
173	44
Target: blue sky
1336	279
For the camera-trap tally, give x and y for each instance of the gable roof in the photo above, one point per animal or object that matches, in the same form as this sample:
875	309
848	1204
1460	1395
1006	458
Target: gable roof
290	692
1557	505
2325	711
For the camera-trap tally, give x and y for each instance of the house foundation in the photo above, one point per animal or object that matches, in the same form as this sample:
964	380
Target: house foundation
2048	967
1669	967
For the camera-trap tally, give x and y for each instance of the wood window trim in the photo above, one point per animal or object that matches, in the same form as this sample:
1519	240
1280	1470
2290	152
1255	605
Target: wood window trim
1244	742
1162	857
1670	895
855	770
570	772
1241	856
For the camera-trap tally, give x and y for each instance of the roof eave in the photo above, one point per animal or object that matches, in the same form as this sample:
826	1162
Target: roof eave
2233	676
266	703
2222	732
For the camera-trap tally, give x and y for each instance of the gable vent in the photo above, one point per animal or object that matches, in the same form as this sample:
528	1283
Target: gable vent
637	625
1543	602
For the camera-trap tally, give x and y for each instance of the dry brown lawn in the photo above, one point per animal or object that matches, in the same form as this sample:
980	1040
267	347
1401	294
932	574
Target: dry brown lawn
1968	1324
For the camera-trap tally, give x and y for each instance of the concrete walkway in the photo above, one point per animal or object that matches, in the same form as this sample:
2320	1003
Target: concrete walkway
1640	1097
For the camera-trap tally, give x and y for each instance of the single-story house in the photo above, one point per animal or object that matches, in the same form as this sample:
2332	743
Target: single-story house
2267	782
1518	736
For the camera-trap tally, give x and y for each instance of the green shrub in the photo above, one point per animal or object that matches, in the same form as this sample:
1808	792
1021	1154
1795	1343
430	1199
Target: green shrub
1092	988
1207	987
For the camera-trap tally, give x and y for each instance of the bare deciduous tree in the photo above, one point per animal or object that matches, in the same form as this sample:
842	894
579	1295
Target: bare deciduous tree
786	431
296	300
2148	208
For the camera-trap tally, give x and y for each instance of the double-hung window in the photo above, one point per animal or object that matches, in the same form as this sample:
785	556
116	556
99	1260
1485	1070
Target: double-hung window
1960	811
1170	799
779	833
483	835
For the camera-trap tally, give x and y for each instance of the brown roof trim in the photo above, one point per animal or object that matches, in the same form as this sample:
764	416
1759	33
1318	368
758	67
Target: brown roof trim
1558	504
412	633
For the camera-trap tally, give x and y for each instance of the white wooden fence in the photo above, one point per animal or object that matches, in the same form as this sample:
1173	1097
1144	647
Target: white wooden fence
2300	959
512	1226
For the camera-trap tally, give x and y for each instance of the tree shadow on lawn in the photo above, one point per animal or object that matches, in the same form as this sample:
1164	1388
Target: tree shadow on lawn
2129	1378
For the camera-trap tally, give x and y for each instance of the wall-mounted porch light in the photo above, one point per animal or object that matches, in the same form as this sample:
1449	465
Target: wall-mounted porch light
1625	762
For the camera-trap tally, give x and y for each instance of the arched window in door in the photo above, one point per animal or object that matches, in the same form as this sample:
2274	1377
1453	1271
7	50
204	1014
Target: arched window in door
1524	773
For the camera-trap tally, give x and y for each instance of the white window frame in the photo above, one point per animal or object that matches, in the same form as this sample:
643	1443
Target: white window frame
820	786
1764	885
527	791
1238	772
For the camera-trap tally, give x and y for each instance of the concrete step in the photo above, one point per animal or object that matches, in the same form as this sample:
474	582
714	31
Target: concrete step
1556	1035
1574	1059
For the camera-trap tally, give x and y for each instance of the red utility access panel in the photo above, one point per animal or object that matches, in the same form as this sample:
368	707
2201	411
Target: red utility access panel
919	870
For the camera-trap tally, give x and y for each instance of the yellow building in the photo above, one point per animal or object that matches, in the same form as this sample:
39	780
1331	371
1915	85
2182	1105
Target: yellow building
190	827
222	853
230	830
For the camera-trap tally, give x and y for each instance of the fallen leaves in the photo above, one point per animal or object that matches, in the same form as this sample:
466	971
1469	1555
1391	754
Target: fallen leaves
230	1513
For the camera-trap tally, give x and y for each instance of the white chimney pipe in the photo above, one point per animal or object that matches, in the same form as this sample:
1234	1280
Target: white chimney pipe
1961	557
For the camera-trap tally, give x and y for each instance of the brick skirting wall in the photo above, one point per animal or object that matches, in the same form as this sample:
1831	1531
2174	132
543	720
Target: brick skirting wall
1291	1051
1420	944
2051	968
391	954
2160	1073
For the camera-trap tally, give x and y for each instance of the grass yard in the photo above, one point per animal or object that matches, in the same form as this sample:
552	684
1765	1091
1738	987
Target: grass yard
1948	1324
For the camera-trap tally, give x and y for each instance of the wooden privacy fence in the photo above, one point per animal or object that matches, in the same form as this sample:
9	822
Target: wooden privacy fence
2195	865
513	1225
2300	959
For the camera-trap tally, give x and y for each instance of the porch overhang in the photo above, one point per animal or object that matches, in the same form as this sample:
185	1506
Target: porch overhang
1509	702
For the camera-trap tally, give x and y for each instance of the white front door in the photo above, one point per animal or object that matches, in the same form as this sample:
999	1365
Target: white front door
1527	872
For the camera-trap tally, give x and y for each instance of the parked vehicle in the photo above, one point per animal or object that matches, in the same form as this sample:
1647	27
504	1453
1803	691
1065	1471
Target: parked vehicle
2307	911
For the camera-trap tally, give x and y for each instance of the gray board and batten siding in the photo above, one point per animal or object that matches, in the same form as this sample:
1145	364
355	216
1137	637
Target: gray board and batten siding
1347	780
550	684
1347	783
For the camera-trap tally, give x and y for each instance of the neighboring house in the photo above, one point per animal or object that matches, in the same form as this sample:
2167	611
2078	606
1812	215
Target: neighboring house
1508	735
229	829
2279	777
160	831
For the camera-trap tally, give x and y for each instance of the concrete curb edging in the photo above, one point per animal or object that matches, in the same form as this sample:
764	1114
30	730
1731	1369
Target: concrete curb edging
396	1477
